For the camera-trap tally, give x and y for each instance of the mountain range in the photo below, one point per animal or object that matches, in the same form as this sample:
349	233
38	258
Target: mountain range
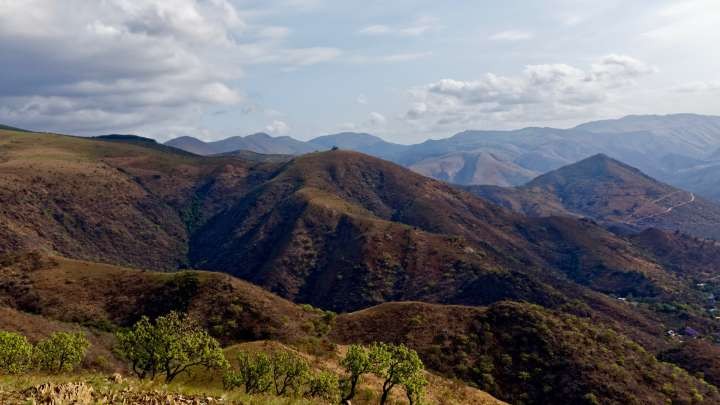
530	308
680	149
610	192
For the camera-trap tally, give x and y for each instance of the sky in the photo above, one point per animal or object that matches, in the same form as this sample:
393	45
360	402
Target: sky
404	70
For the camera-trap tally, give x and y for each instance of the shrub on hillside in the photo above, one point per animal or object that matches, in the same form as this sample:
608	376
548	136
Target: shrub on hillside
398	365
356	363
324	385
15	353
172	345
61	351
289	372
254	373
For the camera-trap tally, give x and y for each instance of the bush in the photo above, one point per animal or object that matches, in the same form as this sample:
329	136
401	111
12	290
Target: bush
398	365
172	345
324	385
254	373
61	351
356	363
15	353
289	372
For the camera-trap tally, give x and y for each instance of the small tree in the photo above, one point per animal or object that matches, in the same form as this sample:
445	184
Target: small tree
173	345
396	365
254	372
415	387
356	363
289	371
15	353
61	351
140	347
324	385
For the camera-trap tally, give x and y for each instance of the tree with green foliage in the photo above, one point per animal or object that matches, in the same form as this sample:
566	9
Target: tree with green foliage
254	373
15	353
172	345
61	351
356	363
415	387
396	365
324	385
140	347
289	371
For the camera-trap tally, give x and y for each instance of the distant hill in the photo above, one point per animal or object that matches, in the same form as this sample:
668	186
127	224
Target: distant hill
678	149
259	143
9	128
360	142
607	190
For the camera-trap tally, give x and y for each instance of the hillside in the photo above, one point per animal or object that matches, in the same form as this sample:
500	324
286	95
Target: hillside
490	347
609	191
339	230
562	358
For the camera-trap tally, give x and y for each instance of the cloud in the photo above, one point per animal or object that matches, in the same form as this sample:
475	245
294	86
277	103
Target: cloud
419	27
539	93
376	119
277	127
86	66
512	35
361	99
698	87
391	58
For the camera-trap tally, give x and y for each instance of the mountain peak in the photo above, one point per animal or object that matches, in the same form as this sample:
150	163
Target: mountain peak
599	167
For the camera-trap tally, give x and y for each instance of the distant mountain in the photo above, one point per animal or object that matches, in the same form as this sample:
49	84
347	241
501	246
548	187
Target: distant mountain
9	128
360	142
258	143
679	149
700	134
609	191
473	168
192	145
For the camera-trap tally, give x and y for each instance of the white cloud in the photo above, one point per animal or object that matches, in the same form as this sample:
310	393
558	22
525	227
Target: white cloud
419	27
277	127
376	119
512	35
361	99
391	58
698	87
86	66
540	93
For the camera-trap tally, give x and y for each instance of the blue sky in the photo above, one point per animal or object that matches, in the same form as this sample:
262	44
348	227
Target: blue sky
405	70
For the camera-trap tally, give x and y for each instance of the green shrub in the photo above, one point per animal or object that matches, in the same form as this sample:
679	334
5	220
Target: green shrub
324	385
254	373
289	372
398	365
356	363
61	351
15	353
172	345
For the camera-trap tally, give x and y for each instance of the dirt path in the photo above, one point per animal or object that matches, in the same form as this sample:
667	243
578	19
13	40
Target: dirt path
667	210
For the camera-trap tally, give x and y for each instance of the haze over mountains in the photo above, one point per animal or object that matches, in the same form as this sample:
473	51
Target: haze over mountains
679	149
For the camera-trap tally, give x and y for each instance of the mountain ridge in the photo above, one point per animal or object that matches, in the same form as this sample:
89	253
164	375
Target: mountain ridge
610	191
